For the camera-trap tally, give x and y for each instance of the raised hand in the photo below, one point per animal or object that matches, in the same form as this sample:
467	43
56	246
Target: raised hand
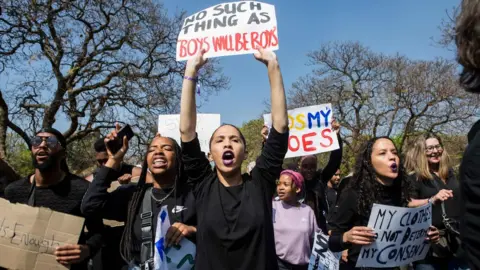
336	126
117	157
265	56
196	63
264	133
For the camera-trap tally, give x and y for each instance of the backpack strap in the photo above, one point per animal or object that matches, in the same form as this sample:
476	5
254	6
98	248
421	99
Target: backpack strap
146	251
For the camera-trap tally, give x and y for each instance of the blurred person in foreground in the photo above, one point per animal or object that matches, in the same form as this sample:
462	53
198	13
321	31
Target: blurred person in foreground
467	39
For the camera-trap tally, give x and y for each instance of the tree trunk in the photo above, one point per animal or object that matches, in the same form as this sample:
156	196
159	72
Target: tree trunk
3	127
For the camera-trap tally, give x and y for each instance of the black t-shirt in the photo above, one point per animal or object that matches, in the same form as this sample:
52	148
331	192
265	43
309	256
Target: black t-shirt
231	198
249	243
470	181
347	216
64	197
100	203
424	189
331	197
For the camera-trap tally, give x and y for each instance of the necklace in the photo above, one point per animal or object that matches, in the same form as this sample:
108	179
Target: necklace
160	201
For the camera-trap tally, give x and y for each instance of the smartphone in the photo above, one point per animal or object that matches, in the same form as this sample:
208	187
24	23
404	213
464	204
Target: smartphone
116	145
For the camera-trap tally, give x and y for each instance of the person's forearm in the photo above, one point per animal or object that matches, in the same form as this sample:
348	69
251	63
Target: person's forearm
417	203
278	99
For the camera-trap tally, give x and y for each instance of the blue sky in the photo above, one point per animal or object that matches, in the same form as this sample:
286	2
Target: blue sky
389	27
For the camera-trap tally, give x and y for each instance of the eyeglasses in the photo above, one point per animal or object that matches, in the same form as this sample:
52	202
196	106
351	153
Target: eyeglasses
431	147
51	141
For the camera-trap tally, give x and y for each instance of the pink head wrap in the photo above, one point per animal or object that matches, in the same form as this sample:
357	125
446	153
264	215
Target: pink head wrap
297	178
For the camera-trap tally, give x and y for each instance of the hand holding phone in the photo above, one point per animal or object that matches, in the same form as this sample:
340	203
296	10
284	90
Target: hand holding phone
114	140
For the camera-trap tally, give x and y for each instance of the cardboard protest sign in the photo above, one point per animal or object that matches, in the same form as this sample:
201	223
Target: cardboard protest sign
169	126
401	234
310	130
30	235
228	29
322	258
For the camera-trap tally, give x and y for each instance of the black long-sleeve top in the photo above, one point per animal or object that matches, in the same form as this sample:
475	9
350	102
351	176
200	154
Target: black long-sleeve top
98	202
64	197
316	189
347	216
470	190
235	229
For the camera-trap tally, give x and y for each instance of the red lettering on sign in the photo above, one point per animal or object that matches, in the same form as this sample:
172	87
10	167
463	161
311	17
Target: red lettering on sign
191	47
326	135
297	141
274	38
254	39
239	42
306	143
183	48
220	43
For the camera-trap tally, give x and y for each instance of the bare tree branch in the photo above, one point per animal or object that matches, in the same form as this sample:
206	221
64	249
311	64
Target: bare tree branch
91	63
377	95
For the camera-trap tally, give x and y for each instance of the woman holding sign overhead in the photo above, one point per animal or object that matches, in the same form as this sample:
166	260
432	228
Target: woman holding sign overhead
378	178
235	229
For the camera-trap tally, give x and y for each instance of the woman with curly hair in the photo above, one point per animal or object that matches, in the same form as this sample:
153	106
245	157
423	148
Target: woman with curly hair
468	48
378	178
434	182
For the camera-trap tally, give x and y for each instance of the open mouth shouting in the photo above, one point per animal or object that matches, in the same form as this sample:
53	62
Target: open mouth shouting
41	156
159	162
394	167
228	158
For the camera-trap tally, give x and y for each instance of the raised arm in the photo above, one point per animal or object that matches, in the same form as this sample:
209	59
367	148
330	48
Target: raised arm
269	164
335	157
196	165
188	108
98	202
277	91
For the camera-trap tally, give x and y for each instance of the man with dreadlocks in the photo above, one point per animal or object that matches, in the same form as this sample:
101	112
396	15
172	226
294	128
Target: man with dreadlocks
138	205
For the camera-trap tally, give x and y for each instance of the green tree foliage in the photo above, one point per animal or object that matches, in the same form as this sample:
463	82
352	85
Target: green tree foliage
18	155
251	130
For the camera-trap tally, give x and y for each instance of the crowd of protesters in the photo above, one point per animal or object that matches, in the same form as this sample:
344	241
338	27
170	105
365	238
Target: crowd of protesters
265	218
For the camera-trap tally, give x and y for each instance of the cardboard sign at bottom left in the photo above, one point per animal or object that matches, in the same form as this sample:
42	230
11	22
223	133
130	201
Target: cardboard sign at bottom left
29	236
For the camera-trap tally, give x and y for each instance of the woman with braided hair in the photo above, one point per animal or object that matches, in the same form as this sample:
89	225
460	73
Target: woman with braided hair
378	178
128	202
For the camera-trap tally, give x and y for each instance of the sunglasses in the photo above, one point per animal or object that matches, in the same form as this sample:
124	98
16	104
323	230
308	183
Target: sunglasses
51	141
